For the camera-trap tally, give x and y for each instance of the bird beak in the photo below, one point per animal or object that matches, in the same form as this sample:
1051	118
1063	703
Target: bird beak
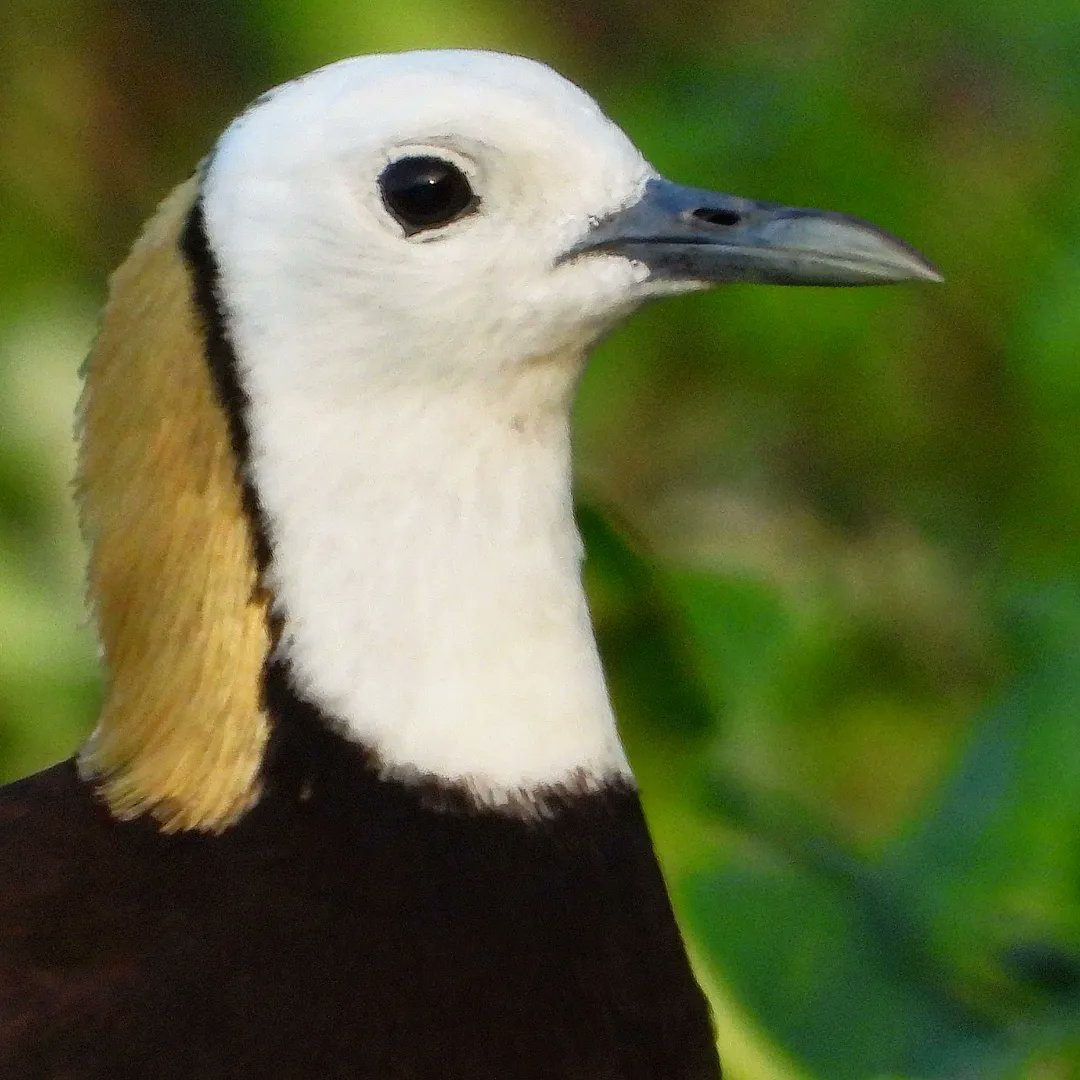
685	234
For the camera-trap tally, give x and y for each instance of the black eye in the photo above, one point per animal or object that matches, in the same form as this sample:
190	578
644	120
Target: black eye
425	192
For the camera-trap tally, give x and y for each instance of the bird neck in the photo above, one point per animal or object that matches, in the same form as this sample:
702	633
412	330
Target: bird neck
420	549
425	565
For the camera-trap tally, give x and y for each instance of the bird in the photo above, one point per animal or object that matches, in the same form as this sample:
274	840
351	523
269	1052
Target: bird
356	805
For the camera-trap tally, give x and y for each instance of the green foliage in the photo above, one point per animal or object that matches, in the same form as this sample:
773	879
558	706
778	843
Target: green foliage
844	642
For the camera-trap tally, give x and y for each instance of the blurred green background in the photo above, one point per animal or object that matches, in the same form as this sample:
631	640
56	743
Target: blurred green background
834	536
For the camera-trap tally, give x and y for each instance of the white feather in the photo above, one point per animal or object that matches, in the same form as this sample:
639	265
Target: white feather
410	403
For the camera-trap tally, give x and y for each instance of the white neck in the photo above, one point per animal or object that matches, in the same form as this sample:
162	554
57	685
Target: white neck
427	565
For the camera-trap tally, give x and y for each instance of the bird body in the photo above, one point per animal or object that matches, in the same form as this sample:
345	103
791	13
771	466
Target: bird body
346	930
356	804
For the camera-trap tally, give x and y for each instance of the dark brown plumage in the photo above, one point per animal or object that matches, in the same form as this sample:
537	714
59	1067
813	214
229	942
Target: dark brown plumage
342	928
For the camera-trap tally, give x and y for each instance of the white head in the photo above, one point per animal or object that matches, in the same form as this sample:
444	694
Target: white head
414	253
313	259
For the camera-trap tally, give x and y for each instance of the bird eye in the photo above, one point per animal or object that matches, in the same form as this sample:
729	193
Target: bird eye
425	192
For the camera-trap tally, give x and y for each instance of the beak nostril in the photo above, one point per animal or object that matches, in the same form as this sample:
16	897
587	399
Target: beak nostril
716	216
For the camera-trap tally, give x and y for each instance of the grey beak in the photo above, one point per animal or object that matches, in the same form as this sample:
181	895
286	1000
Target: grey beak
686	234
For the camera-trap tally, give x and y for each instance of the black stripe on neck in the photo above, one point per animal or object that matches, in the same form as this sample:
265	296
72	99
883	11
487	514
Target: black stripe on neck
224	367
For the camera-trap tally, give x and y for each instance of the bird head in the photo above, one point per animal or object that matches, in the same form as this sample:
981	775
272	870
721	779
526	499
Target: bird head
408	218
325	425
440	215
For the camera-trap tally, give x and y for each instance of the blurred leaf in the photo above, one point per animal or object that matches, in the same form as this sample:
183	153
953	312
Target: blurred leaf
830	978
645	653
993	866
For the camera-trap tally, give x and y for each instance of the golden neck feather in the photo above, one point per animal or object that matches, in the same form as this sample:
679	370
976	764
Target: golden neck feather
172	573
